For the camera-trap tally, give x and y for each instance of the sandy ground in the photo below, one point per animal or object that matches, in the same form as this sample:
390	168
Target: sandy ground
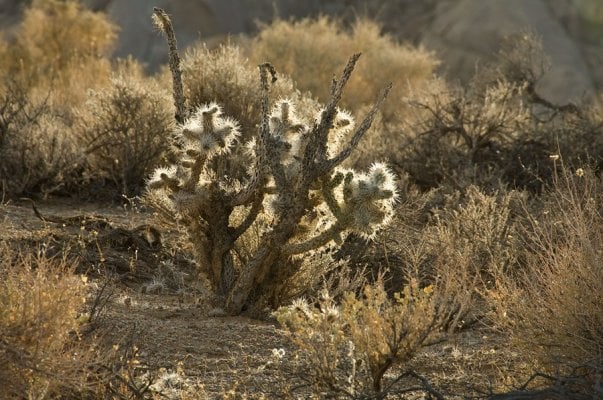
154	303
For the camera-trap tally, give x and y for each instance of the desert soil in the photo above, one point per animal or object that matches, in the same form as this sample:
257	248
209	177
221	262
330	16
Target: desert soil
155	303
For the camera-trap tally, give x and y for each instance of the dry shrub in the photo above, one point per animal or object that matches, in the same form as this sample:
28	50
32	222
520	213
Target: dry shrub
360	348
462	137
498	131
52	344
312	51
226	76
125	127
38	153
5	49
555	309
61	49
41	351
578	136
472	244
464	243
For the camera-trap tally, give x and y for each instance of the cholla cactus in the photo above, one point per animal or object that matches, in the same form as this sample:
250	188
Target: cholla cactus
293	193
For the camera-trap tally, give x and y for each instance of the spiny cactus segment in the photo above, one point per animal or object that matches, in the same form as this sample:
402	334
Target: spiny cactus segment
285	183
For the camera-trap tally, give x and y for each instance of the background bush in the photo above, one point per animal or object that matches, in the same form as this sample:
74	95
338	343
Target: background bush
60	51
497	132
125	128
225	75
38	152
313	50
70	119
554	309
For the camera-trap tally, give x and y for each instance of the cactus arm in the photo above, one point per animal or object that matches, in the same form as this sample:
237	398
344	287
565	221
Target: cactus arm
256	207
358	134
327	187
196	170
258	170
332	233
278	172
317	145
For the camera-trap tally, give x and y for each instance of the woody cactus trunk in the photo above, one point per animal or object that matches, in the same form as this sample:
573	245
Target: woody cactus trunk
293	194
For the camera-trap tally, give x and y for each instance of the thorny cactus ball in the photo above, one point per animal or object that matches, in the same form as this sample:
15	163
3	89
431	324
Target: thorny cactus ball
367	200
208	133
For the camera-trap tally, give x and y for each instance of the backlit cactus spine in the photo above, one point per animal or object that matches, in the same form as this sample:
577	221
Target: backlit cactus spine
293	184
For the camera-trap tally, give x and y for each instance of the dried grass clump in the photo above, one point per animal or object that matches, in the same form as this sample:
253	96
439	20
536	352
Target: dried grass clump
124	129
360	348
554	311
41	351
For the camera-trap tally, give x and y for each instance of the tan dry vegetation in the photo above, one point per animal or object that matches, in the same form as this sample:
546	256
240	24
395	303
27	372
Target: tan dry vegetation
124	128
553	307
187	350
225	75
312	52
72	120
61	50
495	245
41	350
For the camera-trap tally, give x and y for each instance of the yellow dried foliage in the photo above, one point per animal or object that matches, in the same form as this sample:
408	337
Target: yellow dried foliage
349	347
313	50
40	351
61	49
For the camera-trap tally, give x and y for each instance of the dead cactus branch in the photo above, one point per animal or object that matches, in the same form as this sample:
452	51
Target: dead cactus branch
164	23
